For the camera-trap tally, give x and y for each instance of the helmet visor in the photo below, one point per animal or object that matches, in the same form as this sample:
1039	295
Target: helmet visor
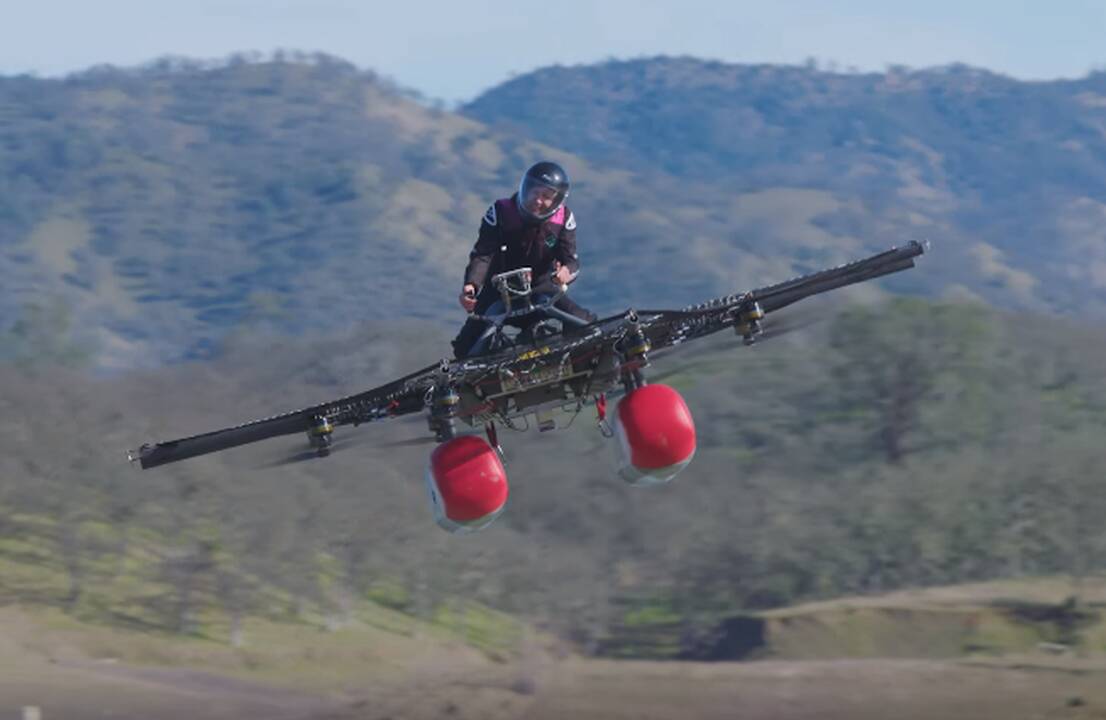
539	199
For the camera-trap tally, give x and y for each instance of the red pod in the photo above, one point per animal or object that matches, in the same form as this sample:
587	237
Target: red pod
656	435
467	484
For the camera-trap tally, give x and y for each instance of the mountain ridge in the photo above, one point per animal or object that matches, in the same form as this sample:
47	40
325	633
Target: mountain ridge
152	213
1003	166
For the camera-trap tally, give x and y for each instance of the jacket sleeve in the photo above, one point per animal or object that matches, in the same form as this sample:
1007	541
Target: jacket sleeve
483	253
566	247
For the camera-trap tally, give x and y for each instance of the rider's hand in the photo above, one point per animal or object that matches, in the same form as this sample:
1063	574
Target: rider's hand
561	273
468	297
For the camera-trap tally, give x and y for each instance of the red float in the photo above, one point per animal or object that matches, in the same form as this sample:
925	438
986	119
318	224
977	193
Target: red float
656	435
467	484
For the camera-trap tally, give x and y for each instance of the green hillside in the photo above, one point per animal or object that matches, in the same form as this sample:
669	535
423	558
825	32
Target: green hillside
896	509
162	208
148	214
1007	176
898	446
293	226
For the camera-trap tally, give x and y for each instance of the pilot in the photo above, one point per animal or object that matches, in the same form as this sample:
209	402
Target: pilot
532	228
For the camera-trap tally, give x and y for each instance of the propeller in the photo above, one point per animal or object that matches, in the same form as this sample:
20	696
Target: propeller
348	437
408	442
289	460
310	453
778	324
796	318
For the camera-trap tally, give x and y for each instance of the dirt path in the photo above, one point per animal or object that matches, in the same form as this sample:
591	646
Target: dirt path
78	690
821	690
460	685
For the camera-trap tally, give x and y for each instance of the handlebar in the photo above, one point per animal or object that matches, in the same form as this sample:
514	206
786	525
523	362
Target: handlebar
517	285
500	318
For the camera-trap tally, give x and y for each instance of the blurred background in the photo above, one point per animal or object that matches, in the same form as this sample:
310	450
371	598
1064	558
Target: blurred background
217	211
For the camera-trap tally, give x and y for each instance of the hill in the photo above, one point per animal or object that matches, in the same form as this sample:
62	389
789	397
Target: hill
363	673
286	230
149	214
1006	176
896	447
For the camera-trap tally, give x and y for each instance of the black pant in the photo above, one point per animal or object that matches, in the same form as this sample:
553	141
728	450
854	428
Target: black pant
473	328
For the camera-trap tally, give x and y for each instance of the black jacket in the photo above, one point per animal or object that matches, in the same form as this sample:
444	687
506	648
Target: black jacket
508	242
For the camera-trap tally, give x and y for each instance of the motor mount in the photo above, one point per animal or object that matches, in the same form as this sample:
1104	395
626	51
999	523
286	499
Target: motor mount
319	435
747	323
655	435
467	484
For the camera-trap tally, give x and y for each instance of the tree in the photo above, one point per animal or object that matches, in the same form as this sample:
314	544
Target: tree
888	363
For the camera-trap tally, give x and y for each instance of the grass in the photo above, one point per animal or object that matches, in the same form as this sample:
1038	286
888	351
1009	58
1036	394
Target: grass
465	661
987	619
125	613
128	594
493	632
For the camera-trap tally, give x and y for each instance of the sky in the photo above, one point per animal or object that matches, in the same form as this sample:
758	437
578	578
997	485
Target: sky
452	50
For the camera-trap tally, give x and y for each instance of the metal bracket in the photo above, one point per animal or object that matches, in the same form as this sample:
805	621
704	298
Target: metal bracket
601	416
545	420
493	440
747	323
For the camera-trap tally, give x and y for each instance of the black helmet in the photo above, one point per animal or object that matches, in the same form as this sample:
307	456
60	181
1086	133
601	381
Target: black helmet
542	191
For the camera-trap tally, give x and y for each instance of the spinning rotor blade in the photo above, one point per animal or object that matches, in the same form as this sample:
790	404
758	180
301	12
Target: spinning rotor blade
408	442
344	443
299	457
776	325
412	442
370	439
307	454
718	361
798	317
